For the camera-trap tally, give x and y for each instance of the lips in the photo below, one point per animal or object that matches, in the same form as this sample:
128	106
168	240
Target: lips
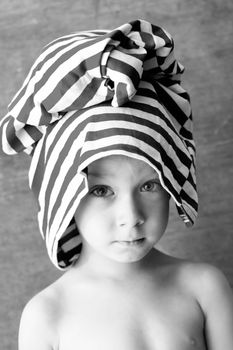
131	242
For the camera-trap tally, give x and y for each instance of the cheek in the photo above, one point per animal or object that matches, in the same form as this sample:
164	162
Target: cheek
91	216
158	210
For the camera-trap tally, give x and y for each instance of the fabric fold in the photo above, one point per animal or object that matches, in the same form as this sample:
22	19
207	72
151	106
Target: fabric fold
93	94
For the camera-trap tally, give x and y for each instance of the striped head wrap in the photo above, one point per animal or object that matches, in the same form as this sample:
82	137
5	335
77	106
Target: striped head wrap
93	94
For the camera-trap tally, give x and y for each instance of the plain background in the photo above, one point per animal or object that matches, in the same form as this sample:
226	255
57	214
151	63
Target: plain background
203	31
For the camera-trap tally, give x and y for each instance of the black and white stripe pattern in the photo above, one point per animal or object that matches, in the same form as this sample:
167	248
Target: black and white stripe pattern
94	94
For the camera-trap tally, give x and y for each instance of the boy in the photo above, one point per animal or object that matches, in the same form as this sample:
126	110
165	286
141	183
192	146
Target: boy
109	128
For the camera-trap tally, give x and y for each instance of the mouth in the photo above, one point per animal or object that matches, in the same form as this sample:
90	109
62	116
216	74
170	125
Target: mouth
133	242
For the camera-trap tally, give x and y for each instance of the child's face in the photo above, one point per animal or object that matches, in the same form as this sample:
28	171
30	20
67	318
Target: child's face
125	212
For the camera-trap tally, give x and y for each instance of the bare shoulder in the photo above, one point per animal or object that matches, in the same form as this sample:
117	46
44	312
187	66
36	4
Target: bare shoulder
38	322
206	277
204	280
207	284
212	285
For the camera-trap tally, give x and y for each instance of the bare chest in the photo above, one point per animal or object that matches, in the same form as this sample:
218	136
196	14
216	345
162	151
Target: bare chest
131	323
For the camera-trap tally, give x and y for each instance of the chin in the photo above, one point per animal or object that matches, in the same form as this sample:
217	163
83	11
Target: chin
129	257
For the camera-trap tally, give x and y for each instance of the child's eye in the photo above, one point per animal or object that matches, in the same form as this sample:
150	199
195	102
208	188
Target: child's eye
151	186
101	191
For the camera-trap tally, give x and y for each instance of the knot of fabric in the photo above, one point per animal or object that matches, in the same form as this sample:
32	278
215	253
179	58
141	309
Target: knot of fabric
85	69
136	51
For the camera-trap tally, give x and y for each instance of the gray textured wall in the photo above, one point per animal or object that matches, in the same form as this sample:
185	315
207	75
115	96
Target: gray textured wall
203	31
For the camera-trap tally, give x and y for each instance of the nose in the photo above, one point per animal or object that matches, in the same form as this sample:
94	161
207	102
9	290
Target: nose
129	212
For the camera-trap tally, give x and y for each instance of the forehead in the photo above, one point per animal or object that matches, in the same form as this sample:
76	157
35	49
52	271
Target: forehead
111	166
